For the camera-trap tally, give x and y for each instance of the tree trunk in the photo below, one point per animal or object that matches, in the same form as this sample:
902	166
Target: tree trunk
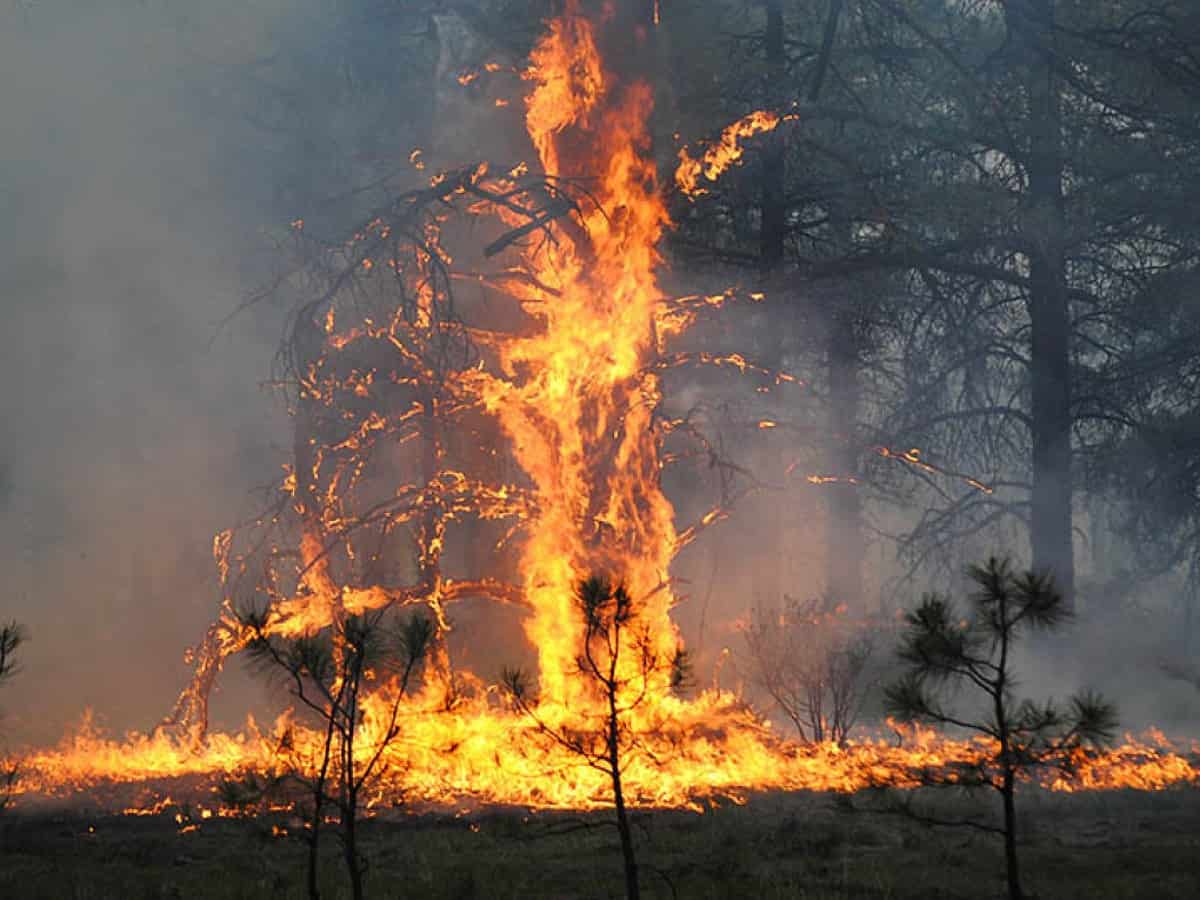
1050	365
627	38
845	548
350	840
999	690
1191	597
318	791
770	578
632	888
314	858
844	535
1008	789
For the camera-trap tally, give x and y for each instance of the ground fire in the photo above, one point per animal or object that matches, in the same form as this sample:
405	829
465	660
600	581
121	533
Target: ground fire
536	427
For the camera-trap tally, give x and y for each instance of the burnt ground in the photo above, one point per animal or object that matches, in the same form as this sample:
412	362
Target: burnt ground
1096	846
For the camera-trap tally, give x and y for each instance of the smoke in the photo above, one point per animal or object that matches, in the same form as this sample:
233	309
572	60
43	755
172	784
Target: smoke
132	428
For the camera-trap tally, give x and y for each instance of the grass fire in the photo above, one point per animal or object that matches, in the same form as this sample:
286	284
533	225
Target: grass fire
720	451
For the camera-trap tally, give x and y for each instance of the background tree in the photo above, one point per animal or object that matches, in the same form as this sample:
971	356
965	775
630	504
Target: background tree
619	661
974	233
944	653
326	672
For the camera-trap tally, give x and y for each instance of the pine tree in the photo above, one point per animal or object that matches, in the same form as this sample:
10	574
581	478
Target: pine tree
327	672
611	631
944	651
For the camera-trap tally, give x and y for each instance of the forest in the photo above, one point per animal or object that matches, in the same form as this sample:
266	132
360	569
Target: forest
596	448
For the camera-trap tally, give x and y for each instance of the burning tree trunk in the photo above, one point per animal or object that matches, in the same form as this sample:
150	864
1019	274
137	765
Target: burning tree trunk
844	542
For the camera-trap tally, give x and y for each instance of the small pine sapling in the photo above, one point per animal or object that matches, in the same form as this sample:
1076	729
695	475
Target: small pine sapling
945	652
612	632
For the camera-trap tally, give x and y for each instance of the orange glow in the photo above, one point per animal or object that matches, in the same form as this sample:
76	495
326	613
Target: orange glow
477	758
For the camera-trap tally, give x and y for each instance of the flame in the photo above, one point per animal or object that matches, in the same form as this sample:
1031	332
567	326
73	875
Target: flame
469	757
581	422
726	152
575	395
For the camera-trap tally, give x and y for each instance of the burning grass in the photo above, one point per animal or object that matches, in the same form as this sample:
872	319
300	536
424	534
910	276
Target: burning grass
475	760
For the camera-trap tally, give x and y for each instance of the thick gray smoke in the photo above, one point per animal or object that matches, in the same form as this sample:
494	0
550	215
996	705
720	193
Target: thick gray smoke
132	425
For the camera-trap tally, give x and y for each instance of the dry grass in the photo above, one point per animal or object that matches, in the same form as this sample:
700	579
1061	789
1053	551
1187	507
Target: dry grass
1098	846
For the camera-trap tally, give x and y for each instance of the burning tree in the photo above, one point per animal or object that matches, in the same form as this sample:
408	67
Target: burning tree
621	662
413	408
944	651
485	355
401	394
327	673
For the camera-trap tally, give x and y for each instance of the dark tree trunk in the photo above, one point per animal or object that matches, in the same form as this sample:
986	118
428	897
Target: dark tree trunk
768	580
350	848
844	534
844	554
1050	366
627	39
1008	789
1008	773
1191	597
632	888
314	860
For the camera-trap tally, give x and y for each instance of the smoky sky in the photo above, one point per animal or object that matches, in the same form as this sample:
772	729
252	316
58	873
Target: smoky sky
132	426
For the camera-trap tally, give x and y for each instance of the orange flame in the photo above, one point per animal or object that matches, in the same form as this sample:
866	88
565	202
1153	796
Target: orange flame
726	152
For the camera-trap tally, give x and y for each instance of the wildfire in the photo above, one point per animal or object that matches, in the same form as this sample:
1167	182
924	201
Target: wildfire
726	152
474	758
575	395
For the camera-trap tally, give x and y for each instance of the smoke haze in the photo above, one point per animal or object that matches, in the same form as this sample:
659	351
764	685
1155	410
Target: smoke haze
132	425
